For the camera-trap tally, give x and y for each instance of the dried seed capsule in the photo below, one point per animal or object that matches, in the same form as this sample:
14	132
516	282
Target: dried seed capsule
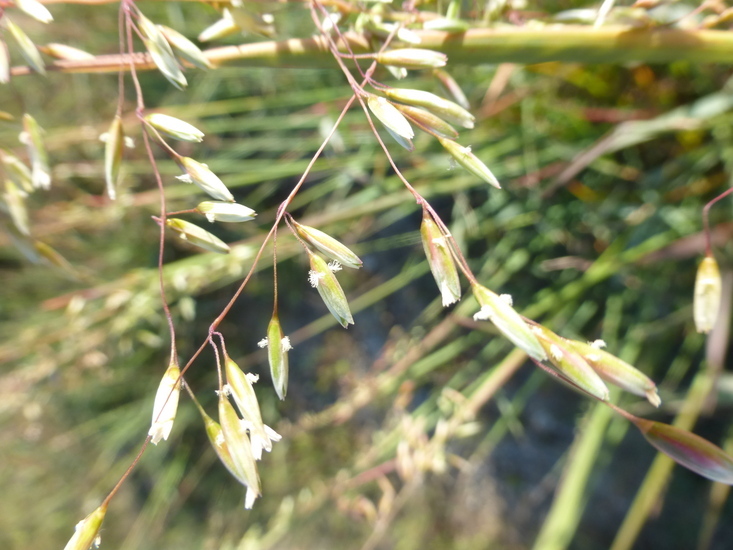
174	127
86	531
708	288
322	278
445	109
113	148
201	175
35	9
618	372
166	404
185	48
390	117
412	58
197	235
31	138
499	311
440	260
161	52
427	121
332	248
469	161
570	364
225	211
240	450
27	48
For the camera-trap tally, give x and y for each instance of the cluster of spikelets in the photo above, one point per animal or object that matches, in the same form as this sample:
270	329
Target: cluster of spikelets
240	436
21	180
585	366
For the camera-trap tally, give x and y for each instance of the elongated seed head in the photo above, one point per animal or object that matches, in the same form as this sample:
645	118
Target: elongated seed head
440	259
708	289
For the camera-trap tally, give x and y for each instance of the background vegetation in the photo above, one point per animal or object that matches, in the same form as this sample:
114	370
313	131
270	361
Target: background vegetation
417	427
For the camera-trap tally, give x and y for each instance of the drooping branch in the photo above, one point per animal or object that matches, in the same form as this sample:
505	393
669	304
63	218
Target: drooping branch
575	44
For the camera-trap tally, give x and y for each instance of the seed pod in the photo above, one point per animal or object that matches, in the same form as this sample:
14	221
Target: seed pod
161	52
690	450
445	109
166	404
197	235
390	117
31	138
612	369
332	248
86	531
216	438
174	127
241	390
278	346
322	278
185	48
225	211
201	175
113	156
708	289
27	48
240	450
412	58
35	9
427	121
469	161
570	364
500	312
68	53
440	260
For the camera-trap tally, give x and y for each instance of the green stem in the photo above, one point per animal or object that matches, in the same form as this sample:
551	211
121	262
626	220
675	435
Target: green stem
568	43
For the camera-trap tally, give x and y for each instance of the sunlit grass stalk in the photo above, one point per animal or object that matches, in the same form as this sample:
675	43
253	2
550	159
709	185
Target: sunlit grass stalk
572	44
568	505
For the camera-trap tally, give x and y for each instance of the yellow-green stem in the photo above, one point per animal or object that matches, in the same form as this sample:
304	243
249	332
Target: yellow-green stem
568	43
